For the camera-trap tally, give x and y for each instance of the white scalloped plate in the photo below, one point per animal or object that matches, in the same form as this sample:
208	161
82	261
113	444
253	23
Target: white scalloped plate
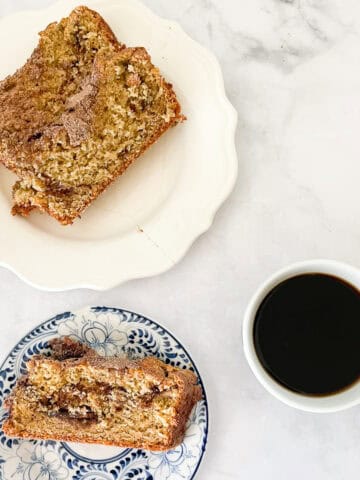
148	219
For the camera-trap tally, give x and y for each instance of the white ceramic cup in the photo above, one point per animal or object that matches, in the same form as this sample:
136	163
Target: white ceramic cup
331	403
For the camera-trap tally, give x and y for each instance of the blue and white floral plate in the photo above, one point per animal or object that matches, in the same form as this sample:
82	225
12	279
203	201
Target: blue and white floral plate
111	331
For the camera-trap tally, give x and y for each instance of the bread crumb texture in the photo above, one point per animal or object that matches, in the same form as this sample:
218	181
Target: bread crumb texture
114	401
77	114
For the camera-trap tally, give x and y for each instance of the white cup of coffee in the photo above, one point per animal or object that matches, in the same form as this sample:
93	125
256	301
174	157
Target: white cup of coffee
281	350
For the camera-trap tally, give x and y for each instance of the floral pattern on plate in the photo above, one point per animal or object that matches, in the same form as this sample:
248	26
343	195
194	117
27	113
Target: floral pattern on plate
110	331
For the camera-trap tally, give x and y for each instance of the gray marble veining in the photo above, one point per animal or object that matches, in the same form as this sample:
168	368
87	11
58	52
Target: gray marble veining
292	70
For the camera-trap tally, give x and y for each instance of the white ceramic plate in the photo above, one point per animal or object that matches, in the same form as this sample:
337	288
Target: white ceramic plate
149	218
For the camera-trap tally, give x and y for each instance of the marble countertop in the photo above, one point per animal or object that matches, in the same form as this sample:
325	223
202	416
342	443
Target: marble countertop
292	70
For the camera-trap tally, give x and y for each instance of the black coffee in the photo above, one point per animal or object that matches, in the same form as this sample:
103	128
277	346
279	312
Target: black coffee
307	334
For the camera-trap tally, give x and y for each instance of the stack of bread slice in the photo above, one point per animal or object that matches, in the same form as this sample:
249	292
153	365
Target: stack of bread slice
77	114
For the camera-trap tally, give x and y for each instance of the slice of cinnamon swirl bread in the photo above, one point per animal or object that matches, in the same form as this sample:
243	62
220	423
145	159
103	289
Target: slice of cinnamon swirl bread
76	395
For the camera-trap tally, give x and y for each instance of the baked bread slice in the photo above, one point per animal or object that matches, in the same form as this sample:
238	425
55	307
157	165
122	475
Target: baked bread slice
76	395
36	95
80	111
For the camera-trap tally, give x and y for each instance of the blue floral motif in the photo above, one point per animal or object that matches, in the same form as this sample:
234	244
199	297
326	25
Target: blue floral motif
35	462
178	463
100	332
92	472
110	331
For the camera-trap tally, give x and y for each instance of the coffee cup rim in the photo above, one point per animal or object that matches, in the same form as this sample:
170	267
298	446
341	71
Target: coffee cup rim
319	404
